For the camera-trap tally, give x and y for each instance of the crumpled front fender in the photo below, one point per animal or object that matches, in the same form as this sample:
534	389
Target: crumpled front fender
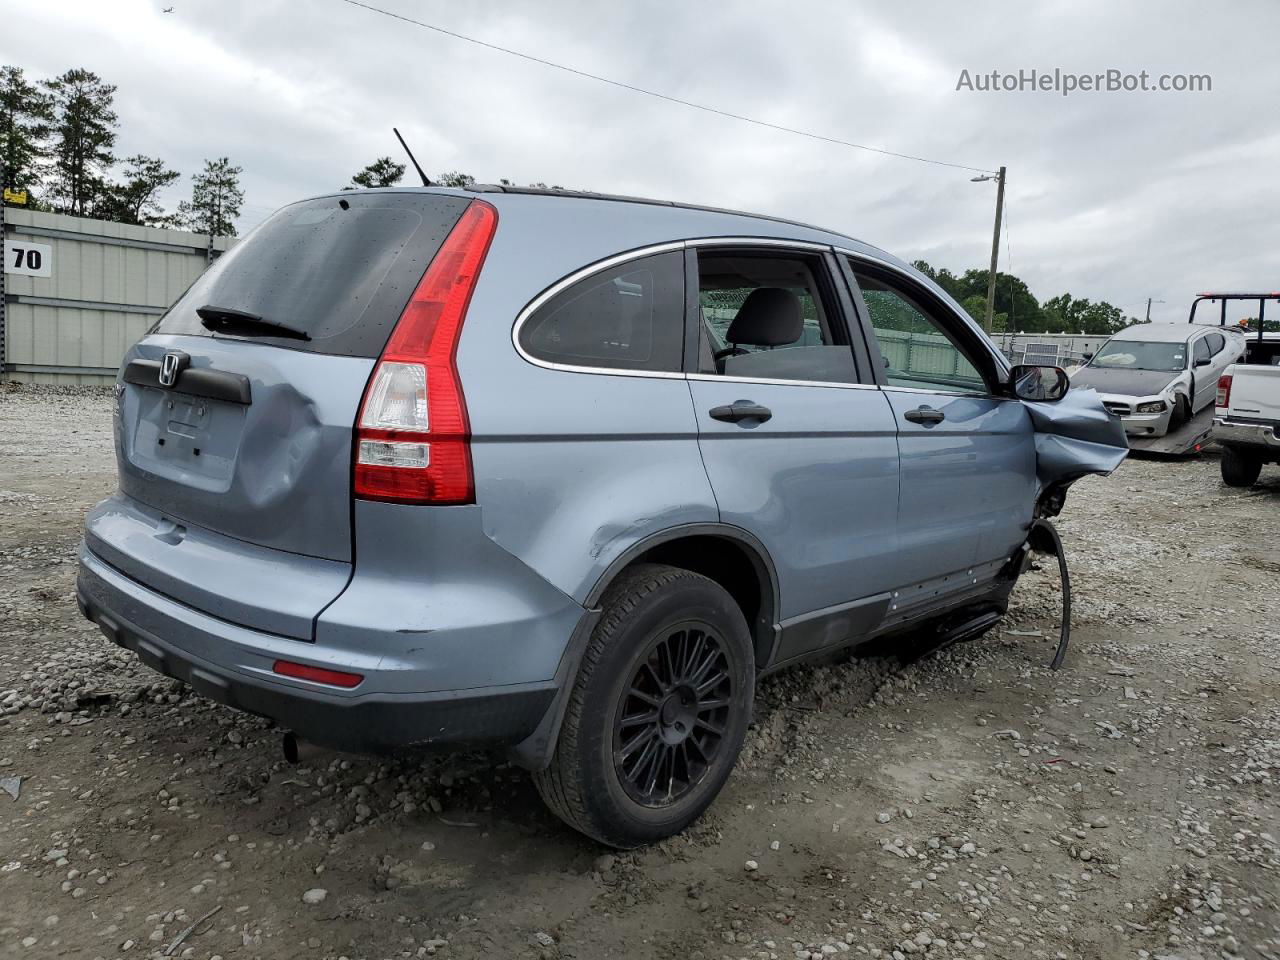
1075	437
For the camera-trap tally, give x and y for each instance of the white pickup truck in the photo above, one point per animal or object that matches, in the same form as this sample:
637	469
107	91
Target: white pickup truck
1246	421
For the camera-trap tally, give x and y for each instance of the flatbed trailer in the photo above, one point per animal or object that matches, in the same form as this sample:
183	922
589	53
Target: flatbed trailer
1194	435
1188	440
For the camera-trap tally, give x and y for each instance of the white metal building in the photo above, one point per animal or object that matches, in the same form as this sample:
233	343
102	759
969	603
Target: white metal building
79	292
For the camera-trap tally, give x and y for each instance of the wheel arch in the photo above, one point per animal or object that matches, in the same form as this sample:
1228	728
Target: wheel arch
729	555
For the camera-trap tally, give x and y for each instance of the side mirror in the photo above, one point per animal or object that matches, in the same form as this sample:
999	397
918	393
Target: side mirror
1203	361
1044	384
1087	357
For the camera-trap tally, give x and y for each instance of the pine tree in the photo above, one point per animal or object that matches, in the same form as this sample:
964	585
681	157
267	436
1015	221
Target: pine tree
215	199
26	119
455	178
135	199
84	132
383	172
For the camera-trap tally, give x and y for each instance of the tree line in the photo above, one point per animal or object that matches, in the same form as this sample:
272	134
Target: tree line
1017	310
385	172
57	143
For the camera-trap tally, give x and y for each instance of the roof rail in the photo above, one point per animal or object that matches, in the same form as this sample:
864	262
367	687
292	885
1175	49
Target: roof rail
622	198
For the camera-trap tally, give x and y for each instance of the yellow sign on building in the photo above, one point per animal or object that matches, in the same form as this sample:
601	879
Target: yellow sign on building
15	196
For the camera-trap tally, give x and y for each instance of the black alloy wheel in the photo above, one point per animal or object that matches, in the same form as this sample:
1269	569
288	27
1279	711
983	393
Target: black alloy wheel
672	717
658	711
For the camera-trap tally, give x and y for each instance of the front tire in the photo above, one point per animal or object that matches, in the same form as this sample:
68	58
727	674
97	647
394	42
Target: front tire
1240	469
1181	414
658	711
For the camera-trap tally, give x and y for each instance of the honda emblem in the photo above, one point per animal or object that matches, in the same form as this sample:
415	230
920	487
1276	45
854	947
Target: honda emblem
171	366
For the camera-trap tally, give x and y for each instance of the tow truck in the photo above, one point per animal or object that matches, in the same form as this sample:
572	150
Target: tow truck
1197	433
1246	422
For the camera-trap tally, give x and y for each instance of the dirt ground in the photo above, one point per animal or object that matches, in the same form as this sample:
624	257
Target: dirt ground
968	804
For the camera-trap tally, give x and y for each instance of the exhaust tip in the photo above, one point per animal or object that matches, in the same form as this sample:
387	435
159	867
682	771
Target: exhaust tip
297	750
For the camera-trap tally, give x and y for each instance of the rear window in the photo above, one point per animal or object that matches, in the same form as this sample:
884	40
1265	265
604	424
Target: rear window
340	268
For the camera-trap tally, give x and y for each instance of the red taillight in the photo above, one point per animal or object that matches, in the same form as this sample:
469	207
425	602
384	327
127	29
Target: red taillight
300	671
413	442
1224	391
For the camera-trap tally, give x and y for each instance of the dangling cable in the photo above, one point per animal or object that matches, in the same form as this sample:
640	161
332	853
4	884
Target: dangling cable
1044	537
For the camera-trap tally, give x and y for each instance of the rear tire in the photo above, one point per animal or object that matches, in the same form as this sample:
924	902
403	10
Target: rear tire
658	711
1240	469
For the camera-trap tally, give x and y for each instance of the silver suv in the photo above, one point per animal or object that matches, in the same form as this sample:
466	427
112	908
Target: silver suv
564	473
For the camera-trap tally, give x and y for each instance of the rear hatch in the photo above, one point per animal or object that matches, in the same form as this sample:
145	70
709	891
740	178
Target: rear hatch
234	416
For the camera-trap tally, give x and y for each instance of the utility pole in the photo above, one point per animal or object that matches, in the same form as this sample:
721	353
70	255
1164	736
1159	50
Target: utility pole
4	188
1150	301
995	251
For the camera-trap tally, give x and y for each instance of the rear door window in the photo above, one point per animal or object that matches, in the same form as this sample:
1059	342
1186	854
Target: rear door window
339	268
627	317
1216	342
770	316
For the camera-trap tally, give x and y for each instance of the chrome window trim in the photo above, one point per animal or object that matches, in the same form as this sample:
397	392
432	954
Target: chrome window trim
897	268
781	242
1001	361
718	378
582	274
637	254
807	245
889	387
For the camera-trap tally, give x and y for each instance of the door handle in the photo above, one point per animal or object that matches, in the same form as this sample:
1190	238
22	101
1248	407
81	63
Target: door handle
927	416
740	410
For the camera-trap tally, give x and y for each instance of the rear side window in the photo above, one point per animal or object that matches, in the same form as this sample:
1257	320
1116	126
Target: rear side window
339	268
628	317
1216	342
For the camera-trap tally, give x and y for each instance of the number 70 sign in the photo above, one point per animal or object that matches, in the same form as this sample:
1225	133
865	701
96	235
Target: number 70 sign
28	259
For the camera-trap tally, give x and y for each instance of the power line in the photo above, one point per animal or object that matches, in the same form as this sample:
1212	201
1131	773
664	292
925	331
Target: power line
661	96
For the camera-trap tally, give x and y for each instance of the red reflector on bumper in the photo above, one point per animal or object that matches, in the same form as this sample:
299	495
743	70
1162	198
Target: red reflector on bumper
300	671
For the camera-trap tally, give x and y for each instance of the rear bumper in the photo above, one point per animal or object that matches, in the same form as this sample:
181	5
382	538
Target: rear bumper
1259	436
232	665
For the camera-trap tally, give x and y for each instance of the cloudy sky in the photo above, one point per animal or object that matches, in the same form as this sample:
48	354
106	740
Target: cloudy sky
1112	195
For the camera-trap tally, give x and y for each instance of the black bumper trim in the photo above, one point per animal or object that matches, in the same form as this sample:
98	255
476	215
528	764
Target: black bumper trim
371	724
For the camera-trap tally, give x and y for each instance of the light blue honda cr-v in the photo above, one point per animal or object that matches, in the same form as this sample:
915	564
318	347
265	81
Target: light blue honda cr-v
565	473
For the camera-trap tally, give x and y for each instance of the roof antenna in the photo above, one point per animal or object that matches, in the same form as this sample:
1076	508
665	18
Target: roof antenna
425	181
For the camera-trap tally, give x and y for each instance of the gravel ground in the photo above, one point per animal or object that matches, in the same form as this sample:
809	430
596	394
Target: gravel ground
966	804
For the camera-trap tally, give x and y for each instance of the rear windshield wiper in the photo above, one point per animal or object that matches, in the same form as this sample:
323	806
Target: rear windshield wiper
248	324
